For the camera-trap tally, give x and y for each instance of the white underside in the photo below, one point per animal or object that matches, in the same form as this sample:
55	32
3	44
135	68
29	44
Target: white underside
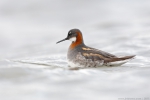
95	64
117	63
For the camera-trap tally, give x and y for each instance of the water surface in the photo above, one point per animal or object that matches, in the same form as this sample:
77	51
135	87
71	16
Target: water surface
34	67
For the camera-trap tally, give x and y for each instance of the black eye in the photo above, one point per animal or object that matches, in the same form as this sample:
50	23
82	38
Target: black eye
69	33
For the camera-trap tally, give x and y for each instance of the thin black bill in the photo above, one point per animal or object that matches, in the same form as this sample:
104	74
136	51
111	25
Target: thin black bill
61	40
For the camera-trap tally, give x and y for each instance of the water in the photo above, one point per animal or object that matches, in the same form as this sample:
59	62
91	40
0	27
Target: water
34	67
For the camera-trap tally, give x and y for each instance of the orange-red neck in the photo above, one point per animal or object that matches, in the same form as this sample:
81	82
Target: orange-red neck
79	40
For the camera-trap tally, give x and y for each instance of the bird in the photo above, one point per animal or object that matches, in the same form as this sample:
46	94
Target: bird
81	56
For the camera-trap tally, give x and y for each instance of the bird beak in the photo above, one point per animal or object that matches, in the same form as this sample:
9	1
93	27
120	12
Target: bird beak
62	40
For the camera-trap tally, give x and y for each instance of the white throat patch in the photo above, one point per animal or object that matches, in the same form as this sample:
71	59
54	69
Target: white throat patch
73	39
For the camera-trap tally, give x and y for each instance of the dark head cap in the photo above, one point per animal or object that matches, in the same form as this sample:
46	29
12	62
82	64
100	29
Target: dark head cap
74	35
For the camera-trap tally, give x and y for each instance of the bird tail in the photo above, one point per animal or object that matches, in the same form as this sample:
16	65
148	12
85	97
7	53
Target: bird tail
118	60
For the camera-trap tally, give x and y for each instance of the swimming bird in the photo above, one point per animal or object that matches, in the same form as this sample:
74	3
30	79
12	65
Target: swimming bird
82	56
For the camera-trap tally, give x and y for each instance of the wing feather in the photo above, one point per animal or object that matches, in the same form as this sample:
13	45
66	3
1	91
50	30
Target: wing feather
95	54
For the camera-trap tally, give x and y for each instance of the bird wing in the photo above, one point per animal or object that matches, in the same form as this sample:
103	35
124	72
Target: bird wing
95	54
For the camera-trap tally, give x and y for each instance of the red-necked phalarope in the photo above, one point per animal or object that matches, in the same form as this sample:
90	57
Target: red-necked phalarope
80	55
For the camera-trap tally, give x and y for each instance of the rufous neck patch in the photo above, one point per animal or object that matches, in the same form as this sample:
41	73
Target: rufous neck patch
79	40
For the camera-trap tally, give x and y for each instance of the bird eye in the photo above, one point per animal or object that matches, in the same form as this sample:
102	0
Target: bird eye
69	33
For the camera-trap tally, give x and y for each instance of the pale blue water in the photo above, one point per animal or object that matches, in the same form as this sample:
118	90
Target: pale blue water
34	67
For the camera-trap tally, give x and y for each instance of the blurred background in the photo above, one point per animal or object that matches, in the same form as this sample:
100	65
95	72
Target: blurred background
33	66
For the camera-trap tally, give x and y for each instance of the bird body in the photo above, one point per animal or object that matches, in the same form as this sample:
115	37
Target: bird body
80	55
